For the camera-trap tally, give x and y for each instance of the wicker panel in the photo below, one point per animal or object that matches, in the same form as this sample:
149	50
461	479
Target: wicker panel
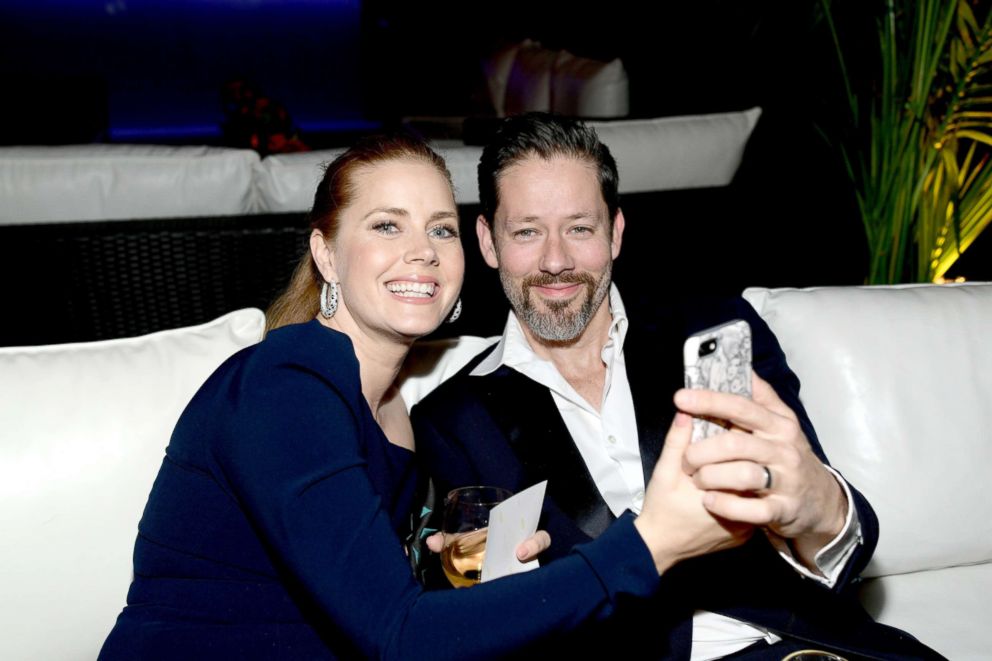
95	281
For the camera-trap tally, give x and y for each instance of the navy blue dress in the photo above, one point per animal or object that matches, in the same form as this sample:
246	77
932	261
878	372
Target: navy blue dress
273	532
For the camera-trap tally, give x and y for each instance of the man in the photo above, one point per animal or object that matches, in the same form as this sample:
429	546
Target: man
579	392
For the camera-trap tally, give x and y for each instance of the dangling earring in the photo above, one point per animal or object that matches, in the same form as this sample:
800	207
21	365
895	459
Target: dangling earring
329	303
457	312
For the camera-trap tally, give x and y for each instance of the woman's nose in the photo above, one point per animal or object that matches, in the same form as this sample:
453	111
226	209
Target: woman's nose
421	249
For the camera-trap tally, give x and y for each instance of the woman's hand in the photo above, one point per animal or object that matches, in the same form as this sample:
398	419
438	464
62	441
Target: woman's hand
527	550
674	523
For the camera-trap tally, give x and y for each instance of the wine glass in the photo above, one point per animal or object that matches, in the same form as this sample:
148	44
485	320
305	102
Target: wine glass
466	527
813	655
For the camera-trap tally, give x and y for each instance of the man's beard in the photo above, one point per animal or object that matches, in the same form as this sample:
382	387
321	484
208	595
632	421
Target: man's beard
558	323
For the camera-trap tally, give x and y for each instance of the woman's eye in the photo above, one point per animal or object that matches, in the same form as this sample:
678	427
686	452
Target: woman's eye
386	227
443	232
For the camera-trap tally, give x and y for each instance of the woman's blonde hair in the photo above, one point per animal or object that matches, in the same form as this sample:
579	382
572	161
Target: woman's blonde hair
336	190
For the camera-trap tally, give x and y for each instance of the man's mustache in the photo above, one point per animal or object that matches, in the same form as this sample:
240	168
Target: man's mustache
548	279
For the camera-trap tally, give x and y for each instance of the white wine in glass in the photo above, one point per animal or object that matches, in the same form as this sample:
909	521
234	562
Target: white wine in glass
466	527
462	558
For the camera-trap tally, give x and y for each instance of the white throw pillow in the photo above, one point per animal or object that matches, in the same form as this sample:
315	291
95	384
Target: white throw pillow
668	153
497	69
83	429
898	383
581	87
287	182
121	182
463	164
529	85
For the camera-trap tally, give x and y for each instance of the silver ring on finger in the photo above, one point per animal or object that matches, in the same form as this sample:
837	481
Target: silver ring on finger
768	478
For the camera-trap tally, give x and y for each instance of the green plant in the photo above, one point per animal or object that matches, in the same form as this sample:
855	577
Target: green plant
920	147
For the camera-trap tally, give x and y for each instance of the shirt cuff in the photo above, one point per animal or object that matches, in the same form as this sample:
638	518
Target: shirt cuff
832	558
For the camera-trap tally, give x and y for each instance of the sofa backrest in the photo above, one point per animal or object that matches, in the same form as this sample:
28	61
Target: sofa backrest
119	182
83	429
898	383
661	154
124	182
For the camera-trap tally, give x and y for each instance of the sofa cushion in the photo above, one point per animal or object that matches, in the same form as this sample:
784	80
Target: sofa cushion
496	69
526	76
431	363
119	182
897	382
528	87
581	87
942	607
287	182
84	429
667	153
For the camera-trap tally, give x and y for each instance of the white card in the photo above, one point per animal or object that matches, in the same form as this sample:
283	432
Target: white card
511	522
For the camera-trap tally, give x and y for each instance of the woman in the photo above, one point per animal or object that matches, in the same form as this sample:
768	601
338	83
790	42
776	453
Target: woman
273	527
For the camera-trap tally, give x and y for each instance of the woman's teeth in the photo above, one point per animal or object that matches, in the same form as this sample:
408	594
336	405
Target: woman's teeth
412	289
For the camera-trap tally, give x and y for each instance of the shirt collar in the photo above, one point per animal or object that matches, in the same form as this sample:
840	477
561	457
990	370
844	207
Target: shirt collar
514	350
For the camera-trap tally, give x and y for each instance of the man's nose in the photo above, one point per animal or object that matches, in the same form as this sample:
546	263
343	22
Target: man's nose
420	249
555	257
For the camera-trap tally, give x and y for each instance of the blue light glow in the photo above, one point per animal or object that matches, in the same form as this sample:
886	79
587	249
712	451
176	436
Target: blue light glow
163	63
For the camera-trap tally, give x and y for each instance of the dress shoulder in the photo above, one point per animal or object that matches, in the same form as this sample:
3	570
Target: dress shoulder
308	347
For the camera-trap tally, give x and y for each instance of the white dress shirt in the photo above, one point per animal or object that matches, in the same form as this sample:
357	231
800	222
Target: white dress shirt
608	442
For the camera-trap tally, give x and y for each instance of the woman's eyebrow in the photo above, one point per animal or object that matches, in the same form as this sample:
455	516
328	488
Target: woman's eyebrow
396	211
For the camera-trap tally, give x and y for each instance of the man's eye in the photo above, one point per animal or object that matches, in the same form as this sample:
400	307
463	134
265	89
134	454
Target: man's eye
582	229
386	227
524	233
443	232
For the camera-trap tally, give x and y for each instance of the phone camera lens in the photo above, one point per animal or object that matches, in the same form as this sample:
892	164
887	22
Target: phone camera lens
706	348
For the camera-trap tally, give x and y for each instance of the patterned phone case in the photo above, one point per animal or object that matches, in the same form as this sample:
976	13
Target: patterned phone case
727	368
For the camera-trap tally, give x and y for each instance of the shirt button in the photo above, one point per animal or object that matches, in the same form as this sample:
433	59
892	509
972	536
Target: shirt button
638	503
612	439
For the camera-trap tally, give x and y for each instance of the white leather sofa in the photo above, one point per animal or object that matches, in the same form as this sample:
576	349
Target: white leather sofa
897	381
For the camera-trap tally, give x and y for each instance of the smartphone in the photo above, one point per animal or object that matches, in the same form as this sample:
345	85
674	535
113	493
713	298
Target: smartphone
718	358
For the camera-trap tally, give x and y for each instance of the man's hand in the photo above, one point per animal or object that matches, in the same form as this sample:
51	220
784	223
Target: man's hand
673	522
527	550
804	502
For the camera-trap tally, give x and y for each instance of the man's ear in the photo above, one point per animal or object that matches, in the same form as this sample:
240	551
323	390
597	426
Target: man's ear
323	257
486	245
617	238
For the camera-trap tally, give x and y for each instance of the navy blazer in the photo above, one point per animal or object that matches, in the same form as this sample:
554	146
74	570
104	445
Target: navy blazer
503	429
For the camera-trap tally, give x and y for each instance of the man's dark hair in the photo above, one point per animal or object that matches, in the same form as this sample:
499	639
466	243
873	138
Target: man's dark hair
545	135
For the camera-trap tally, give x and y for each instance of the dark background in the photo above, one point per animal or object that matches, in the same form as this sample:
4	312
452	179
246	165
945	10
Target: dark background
152	71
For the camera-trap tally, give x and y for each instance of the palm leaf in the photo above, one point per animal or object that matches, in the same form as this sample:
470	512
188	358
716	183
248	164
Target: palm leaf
922	177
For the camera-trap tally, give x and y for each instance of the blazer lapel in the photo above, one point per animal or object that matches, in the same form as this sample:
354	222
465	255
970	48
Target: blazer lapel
653	357
527	415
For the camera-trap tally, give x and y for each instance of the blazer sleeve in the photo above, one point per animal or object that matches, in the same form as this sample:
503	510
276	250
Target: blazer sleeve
292	457
770	363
